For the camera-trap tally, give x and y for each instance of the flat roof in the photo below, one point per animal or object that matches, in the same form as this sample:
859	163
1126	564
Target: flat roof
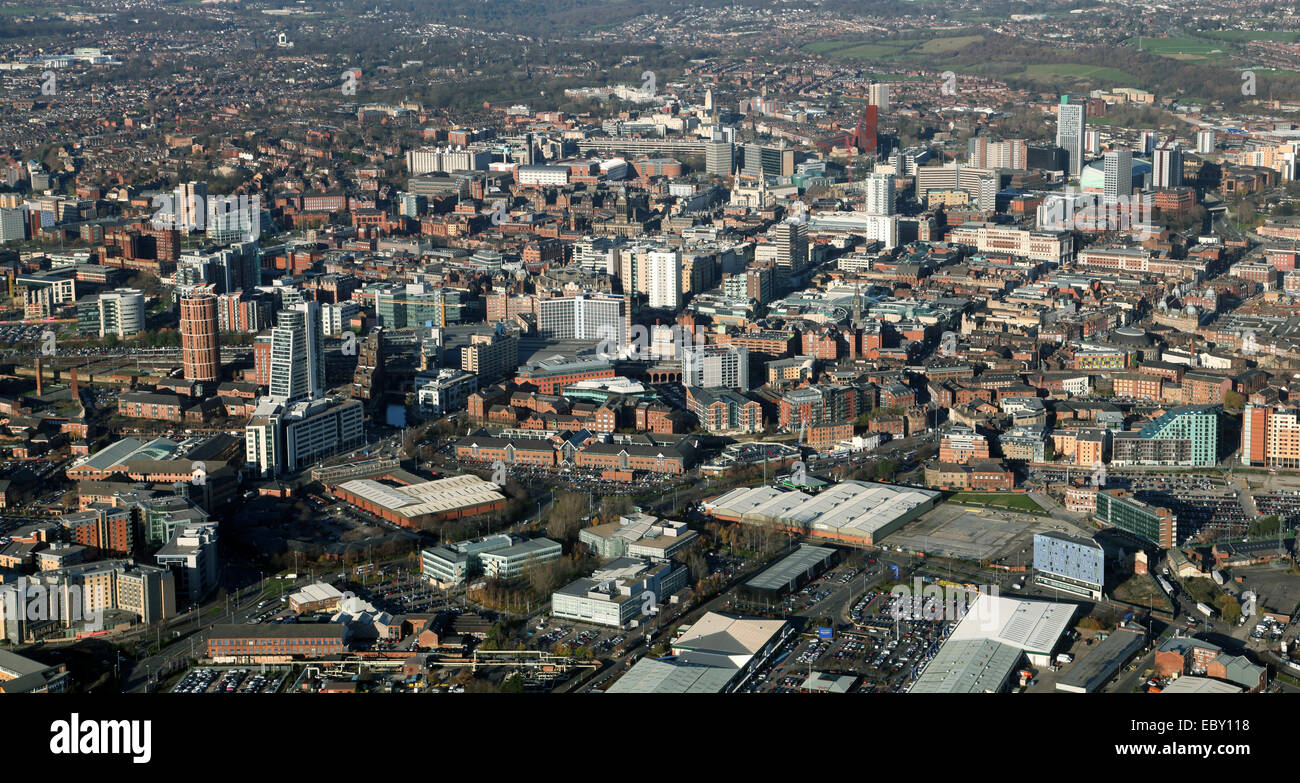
649	675
968	666
800	561
854	508
1097	666
430	497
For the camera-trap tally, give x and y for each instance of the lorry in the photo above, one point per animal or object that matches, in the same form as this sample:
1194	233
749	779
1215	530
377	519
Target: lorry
1205	609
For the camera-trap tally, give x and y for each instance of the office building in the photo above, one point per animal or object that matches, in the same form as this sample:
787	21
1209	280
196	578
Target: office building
583	317
619	593
638	535
1074	565
1070	124
1119	509
1118	168
719	157
490	356
298	354
191	556
121	313
285	437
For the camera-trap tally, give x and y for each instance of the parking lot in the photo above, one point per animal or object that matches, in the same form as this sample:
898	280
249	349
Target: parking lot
218	680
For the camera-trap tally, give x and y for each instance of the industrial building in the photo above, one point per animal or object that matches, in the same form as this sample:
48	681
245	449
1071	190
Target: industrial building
991	640
1102	662
857	513
415	505
794	570
717	654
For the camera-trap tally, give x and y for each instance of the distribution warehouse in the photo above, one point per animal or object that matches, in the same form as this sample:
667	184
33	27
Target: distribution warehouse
857	513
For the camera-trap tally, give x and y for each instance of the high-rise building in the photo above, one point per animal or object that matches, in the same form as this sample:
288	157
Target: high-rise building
1118	168
1167	166
1270	436
664	279
121	312
878	96
490	356
719	156
1070	123
1204	142
1009	154
1147	142
200	340
191	206
880	194
790	243
583	317
298	354
715	367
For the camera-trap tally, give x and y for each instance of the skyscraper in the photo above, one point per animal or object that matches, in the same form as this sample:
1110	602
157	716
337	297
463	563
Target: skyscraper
297	354
1167	166
1204	142
880	194
664	278
1119	175
1070	120
200	345
878	96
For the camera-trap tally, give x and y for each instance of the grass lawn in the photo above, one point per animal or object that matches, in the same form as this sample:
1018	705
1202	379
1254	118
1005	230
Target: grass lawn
1179	46
1009	500
864	50
945	45
1252	35
1051	71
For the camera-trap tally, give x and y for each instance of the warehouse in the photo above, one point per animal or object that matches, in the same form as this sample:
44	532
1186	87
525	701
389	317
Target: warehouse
1098	666
416	505
794	570
991	640
856	513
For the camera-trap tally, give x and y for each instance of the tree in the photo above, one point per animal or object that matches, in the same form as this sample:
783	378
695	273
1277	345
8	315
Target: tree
1264	526
1229	609
885	469
513	683
1234	400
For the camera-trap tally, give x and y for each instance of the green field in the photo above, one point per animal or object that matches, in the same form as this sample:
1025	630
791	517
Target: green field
1053	71
876	50
1252	35
1183	46
945	45
1009	500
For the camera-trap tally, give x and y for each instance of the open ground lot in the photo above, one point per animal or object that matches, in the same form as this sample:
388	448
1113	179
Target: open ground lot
971	534
1277	589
